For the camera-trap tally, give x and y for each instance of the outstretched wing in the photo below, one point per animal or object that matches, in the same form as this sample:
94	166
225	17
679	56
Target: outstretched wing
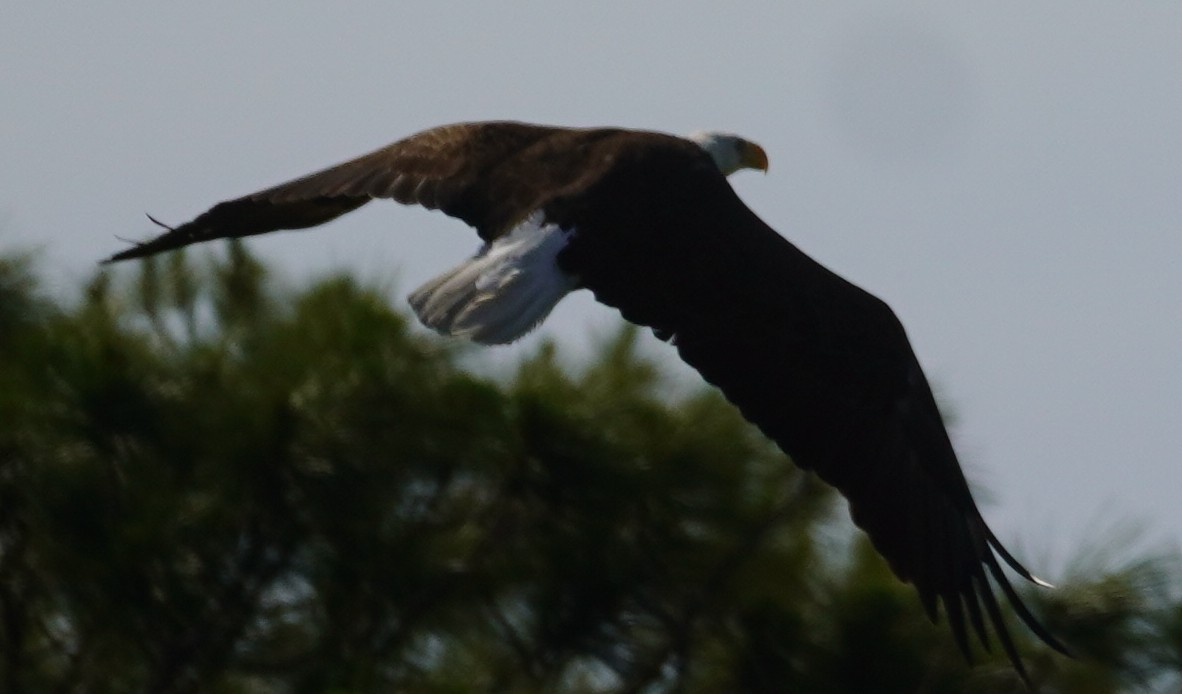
488	174
822	367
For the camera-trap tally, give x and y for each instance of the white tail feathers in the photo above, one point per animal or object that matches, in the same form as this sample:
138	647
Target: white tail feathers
502	293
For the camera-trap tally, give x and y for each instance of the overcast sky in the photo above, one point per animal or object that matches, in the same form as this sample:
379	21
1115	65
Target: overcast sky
1007	175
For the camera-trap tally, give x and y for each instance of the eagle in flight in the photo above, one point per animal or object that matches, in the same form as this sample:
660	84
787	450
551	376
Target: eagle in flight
649	224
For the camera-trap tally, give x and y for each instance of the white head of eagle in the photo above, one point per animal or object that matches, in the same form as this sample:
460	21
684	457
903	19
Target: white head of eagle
731	153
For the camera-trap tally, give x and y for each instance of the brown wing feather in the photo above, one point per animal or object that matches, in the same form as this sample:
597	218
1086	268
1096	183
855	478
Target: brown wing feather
822	367
488	174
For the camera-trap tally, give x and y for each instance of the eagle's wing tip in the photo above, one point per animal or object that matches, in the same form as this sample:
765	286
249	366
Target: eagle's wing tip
129	254
159	223
126	254
1041	583
137	247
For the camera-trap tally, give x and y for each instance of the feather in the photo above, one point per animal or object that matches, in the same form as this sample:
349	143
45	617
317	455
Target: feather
504	291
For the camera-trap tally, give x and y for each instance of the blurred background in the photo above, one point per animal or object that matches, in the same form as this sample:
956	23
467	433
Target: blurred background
1005	176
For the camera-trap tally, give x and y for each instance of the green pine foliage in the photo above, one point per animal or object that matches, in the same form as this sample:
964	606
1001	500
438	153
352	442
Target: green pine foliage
208	484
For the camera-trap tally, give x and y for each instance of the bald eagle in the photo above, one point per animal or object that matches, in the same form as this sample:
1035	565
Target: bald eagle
649	224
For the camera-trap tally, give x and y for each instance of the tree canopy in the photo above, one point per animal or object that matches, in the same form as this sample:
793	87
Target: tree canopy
211	484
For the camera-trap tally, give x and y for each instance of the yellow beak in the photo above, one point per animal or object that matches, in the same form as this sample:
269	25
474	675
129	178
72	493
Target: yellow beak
753	156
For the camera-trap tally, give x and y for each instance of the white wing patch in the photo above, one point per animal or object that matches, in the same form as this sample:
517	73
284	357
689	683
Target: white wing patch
502	293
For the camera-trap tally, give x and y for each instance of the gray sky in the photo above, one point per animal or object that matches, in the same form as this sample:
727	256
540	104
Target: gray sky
1007	176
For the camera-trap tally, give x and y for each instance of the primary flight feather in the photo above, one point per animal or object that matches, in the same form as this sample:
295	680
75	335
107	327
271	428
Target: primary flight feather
649	224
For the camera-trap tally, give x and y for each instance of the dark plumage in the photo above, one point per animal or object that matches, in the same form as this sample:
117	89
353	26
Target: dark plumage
652	227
